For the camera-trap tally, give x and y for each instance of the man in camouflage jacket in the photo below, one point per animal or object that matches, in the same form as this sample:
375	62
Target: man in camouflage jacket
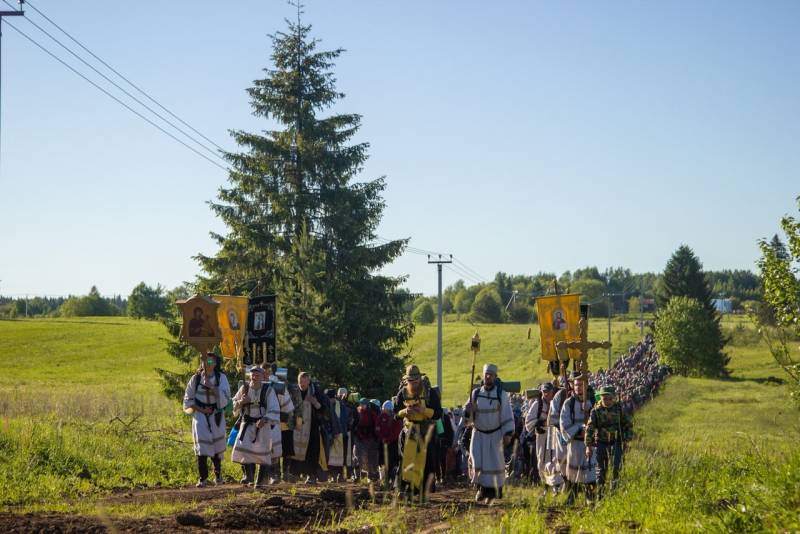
609	428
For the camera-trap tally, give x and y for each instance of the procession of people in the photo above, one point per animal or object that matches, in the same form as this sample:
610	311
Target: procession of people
564	436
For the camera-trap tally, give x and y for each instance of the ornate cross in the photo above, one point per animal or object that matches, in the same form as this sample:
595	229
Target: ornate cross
583	345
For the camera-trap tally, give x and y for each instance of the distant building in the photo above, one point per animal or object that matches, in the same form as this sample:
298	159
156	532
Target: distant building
723	305
648	305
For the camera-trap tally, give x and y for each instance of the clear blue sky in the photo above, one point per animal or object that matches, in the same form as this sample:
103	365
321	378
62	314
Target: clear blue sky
518	136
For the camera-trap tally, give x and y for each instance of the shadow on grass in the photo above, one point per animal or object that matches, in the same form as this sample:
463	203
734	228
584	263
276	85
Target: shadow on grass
768	380
79	321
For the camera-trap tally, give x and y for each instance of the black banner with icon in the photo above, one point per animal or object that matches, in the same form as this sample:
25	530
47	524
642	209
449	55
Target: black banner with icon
260	330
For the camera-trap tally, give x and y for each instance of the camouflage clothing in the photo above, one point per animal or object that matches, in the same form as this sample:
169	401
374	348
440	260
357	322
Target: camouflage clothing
607	425
605	428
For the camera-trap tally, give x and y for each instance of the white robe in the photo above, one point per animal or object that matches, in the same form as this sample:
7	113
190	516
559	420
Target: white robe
252	445
209	438
578	468
486	449
554	452
287	408
531	421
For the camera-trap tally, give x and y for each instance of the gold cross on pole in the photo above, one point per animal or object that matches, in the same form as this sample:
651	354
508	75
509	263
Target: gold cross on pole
583	345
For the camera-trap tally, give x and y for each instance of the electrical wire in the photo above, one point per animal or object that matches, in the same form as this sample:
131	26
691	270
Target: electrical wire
469	269
127	93
126	106
115	71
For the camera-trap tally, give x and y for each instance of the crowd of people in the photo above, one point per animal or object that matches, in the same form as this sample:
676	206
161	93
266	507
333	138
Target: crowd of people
561	435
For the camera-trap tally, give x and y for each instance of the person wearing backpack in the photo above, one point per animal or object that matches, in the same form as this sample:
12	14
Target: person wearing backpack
489	410
206	396
536	425
258	405
580	467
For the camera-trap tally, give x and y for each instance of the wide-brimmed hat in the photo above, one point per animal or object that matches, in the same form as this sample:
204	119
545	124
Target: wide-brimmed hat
547	387
575	375
608	390
412	373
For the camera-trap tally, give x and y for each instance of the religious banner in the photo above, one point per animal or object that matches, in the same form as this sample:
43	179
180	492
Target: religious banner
261	330
558	321
232	319
200	327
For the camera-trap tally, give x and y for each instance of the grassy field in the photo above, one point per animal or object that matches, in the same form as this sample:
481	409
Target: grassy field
710	455
507	346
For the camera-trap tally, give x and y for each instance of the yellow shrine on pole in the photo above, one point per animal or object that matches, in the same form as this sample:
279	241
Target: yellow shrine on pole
232	319
558	321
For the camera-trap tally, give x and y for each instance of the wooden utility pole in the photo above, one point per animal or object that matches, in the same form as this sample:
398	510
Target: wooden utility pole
19	13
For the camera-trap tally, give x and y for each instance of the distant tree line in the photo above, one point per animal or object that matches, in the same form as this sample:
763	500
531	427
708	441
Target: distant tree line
90	305
510	298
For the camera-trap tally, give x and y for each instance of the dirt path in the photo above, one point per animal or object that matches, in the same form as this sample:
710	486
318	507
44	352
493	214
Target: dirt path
234	508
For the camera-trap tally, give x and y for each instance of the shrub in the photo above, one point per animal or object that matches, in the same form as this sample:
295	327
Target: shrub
487	308
423	313
688	339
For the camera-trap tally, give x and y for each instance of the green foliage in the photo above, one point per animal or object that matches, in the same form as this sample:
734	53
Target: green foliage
486	307
91	305
782	299
520	313
423	313
147	302
683	277
592	291
688	339
737	284
705	448
299	225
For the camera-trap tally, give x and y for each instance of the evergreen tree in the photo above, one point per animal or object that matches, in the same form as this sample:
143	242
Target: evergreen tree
684	277
779	248
300	226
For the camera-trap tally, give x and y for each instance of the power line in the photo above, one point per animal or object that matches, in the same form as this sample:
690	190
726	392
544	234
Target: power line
462	274
468	268
112	69
126	106
115	84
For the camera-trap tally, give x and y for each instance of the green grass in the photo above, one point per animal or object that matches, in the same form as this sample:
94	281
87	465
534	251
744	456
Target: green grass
89	367
710	455
507	346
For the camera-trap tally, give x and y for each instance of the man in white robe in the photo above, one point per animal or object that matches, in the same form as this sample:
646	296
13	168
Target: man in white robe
554	461
493	426
206	396
580	469
536	424
259	408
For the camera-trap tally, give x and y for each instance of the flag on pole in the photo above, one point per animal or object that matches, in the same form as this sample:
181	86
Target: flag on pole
232	320
558	321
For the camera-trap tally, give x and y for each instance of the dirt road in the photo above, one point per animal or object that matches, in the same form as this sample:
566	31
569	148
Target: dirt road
234	508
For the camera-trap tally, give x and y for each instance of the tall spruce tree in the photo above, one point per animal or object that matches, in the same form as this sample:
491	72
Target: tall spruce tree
300	226
684	277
